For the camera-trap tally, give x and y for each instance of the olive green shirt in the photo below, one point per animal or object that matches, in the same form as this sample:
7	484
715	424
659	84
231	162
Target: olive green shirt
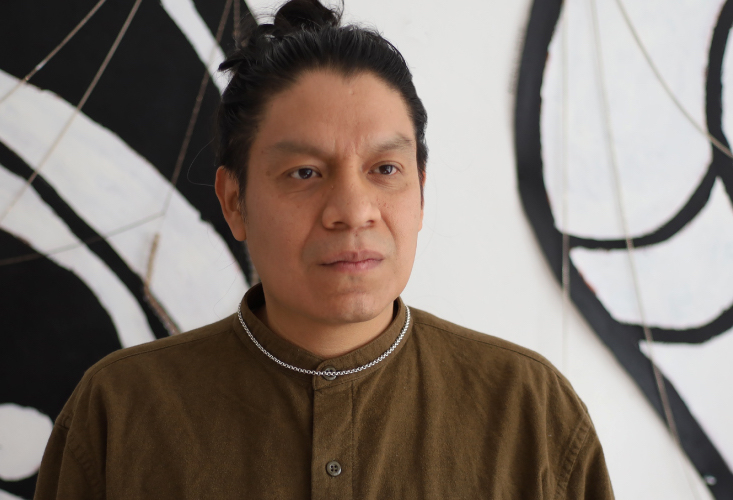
451	413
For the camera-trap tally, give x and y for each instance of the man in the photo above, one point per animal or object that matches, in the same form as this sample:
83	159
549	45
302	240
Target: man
325	384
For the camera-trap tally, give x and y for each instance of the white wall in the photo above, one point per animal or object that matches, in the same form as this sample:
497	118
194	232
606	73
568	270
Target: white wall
478	263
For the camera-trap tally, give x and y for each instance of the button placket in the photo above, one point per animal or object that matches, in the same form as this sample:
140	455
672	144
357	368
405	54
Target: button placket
332	454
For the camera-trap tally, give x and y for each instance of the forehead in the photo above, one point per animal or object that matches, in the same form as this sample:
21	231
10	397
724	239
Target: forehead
334	113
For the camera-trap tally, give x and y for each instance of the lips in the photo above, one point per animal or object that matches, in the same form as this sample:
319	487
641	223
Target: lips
354	260
353	257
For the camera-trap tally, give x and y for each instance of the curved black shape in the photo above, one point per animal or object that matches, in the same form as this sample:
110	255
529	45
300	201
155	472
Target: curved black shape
714	94
697	201
25	488
83	231
210	12
697	335
146	94
721	324
720	167
53	330
623	340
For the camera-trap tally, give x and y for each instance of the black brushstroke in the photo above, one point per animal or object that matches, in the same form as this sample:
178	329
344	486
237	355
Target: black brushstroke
83	231
53	330
698	335
623	340
211	12
53	327
714	95
684	216
146	94
721	166
24	488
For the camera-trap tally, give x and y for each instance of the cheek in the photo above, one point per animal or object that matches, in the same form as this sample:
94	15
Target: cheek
270	235
275	233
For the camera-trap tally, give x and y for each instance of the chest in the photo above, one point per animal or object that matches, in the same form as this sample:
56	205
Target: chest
346	441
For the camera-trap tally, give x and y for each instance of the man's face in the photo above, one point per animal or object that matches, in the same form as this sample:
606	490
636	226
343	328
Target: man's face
333	198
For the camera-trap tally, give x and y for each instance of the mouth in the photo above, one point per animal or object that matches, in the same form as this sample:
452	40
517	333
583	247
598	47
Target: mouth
362	260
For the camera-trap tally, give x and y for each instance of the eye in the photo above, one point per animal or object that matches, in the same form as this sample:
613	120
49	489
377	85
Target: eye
303	173
387	169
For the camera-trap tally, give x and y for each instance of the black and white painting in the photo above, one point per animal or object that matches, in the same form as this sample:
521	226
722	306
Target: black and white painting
623	115
121	198
79	242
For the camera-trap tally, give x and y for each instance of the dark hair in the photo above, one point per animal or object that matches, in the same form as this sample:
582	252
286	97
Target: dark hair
268	58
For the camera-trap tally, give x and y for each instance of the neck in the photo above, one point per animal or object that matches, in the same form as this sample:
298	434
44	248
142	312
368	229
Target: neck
325	340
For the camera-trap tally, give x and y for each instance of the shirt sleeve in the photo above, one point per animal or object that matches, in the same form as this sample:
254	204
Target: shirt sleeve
588	479
65	471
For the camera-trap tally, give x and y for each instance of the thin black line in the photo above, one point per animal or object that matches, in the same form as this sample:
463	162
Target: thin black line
188	171
83	231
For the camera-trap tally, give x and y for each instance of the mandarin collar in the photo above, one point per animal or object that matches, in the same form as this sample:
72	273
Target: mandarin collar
290	353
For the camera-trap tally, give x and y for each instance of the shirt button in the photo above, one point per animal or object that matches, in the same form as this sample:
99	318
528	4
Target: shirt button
330	370
333	468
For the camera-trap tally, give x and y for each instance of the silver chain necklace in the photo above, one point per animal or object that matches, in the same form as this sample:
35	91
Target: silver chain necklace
330	374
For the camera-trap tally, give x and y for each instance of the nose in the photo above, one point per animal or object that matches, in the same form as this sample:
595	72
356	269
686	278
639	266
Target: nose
351	202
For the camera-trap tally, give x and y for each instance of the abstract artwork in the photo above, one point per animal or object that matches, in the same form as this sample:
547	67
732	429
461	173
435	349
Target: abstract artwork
117	239
622	117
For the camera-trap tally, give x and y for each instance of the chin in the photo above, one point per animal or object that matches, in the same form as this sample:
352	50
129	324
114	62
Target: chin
355	307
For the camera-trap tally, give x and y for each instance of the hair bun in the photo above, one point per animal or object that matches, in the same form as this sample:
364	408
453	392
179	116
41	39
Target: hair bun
298	15
291	17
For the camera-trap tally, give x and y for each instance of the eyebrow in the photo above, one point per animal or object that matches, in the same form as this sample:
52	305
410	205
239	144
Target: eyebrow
396	143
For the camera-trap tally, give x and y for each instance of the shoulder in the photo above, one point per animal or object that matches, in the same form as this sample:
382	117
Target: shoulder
162	349
460	335
453	336
154	366
493	360
513	387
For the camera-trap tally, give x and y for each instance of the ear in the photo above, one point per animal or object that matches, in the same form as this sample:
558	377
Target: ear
227	190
